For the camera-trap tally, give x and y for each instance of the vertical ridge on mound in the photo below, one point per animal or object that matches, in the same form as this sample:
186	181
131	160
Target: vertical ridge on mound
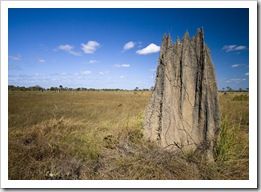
183	111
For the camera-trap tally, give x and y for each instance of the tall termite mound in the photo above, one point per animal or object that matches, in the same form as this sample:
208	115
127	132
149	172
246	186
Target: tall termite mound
183	112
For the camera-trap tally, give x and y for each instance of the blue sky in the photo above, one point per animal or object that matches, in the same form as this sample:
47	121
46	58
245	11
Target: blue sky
118	48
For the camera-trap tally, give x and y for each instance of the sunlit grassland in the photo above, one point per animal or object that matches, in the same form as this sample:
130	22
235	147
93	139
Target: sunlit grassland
98	135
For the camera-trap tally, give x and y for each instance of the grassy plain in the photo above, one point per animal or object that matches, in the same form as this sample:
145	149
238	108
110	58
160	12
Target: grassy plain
98	135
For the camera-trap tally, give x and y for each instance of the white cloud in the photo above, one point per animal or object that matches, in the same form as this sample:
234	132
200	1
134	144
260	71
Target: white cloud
121	65
17	58
128	45
92	61
238	65
41	60
69	49
90	47
59	74
122	77
233	80
85	72
229	48
65	47
235	65
246	74
104	72
240	48
236	79
151	48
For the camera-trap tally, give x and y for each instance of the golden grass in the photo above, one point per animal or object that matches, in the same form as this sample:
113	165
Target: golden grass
98	135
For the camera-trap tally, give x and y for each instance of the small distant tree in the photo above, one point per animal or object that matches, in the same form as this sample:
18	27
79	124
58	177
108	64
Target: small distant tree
11	87
35	88
136	89
23	88
54	88
229	88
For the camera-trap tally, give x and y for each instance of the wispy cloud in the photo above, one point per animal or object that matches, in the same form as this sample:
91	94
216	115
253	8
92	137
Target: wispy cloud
16	58
239	48
151	48
68	49
85	72
90	47
41	60
13	67
121	65
128	45
246	74
92	61
60	74
233	80
236	65
229	48
104	72
122	77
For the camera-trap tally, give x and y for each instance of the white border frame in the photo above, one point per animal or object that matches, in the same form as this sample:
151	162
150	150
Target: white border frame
251	183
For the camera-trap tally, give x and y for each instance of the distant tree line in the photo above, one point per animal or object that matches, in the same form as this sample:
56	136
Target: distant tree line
229	89
32	88
61	88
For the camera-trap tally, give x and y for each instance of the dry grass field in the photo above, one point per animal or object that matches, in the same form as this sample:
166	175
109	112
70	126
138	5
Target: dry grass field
98	135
